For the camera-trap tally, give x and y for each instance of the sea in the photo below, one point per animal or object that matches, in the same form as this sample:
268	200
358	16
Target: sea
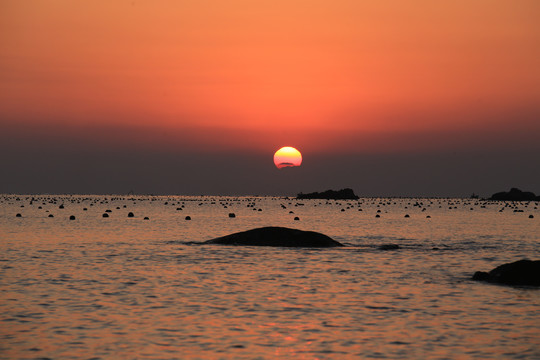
140	287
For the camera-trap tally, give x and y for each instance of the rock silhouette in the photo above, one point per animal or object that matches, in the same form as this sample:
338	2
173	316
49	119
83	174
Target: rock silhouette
389	247
344	194
276	236
515	195
522	272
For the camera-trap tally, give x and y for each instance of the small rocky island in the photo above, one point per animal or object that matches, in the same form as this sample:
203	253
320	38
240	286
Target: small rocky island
515	195
276	236
343	194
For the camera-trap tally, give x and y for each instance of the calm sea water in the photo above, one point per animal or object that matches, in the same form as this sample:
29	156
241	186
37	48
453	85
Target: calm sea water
126	288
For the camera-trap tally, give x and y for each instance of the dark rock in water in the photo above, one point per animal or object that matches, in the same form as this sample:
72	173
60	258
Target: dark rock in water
522	272
232	215
296	218
131	214
344	194
146	218
531	216
51	215
276	236
514	195
105	215
18	215
72	217
389	247
188	217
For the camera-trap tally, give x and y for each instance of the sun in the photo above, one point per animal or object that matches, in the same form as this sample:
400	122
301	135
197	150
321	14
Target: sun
287	157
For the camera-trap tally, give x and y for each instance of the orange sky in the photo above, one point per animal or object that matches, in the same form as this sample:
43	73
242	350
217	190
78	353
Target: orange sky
303	73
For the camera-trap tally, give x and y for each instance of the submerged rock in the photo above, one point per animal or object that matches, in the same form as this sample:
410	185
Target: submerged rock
522	272
389	247
276	236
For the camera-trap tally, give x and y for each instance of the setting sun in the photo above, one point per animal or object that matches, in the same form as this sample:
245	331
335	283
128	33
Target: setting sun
287	157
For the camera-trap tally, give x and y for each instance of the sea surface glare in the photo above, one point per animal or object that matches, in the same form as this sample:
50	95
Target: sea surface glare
122	287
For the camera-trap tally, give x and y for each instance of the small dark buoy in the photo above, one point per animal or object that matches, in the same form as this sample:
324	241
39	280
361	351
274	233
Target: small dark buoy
51	215
232	215
296	218
407	215
18	215
146	218
377	216
72	217
130	214
105	215
188	217
531	216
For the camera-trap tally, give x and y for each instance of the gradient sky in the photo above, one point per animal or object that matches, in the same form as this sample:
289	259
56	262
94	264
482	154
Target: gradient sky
426	98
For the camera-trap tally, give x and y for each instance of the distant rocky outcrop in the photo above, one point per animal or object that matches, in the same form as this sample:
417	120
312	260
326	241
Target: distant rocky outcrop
522	272
276	236
344	194
515	195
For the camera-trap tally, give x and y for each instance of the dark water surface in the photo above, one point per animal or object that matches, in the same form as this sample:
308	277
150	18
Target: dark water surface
128	288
